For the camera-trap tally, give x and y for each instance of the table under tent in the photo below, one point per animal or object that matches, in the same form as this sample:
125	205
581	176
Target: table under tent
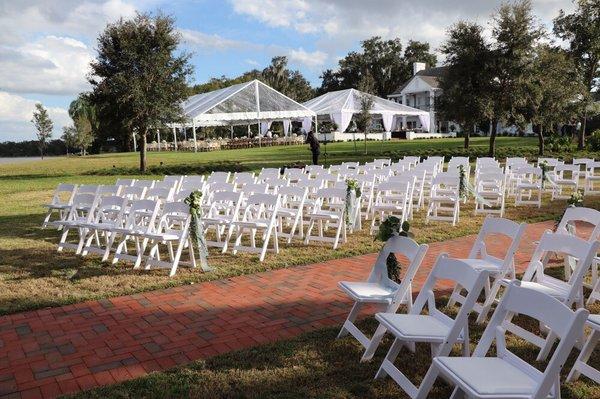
340	106
246	103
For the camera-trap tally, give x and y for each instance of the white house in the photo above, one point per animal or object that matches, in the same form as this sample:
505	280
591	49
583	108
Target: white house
420	92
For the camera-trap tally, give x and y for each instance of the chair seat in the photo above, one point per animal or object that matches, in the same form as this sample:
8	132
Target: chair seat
324	215
57	206
289	212
163	236
528	186
442	198
488	375
594	321
101	225
554	289
78	222
136	231
412	327
225	219
260	223
483	264
368	292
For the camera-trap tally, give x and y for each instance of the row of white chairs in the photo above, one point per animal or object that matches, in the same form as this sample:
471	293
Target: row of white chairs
547	299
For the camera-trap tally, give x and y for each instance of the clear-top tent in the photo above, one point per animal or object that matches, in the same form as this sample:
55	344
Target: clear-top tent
340	105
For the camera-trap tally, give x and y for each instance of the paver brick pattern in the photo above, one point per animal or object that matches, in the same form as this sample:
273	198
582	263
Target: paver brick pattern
49	352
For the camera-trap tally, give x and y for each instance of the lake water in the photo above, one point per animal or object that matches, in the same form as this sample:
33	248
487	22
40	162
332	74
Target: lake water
4	161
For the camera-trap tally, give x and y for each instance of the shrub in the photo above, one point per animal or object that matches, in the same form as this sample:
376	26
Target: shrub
593	141
556	143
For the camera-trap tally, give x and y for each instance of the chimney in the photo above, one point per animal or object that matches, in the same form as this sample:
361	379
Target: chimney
418	66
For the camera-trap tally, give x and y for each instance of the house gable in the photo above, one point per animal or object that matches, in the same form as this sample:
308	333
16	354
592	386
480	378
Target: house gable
415	85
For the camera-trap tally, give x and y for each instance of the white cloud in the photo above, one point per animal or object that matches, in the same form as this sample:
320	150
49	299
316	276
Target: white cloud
15	118
313	59
205	41
249	61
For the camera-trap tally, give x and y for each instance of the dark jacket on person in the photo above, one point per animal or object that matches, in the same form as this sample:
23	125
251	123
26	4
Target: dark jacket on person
313	142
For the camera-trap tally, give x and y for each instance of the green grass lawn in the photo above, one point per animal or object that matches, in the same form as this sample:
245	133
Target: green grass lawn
33	275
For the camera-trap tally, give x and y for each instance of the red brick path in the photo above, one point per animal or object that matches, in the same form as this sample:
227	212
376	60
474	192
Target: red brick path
50	352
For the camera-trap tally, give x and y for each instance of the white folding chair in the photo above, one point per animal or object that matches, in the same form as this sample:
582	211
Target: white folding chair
81	211
328	212
133	193
291	212
412	160
391	199
260	215
108	191
242	178
581	366
173	231
192	183
293	174
527	185
266	173
144	183
162	194
174	180
490	193
224	209
140	220
507	375
109	215
61	203
568	292
444	202
379	289
499	268
218	177
592	179
410	179
435	328
125	182
566	181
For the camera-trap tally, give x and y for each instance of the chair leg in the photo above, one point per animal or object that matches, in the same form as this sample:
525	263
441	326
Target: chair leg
374	344
584	356
351	318
427	383
390	357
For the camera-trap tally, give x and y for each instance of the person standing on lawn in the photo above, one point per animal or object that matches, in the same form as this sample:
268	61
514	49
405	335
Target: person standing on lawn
313	142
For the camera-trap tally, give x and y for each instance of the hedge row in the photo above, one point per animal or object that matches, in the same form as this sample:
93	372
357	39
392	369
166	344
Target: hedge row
198	169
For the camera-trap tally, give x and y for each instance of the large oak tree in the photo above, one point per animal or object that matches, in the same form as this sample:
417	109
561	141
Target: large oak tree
140	75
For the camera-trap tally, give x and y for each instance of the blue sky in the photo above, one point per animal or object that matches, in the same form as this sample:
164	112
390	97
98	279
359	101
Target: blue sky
45	47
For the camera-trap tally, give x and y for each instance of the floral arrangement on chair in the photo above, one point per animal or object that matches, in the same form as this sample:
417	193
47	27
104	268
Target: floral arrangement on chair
390	227
194	201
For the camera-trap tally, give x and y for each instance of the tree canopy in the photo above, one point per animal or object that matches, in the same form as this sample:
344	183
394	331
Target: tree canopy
140	75
384	60
43	126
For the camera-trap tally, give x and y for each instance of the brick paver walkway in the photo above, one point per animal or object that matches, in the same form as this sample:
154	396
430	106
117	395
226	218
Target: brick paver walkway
61	350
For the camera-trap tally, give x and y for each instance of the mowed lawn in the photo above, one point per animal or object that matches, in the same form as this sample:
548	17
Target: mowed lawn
33	275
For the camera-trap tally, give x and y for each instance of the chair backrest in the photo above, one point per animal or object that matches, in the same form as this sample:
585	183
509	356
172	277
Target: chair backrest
215	187
240	178
64	193
192	182
462	274
445	180
111	209
293	174
566	324
163	194
414	254
250	189
175	219
168	184
88	189
175	180
125	182
108	190
142	215
580	214
85	201
218	177
262	206
268	172
133	192
573	246
144	183
498	226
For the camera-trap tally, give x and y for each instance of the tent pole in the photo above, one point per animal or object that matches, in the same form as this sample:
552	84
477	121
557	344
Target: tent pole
134	142
175	137
259	134
194	131
158	137
231	130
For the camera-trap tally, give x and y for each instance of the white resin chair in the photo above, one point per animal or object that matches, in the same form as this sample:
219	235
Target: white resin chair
499	268
435	328
81	211
444	202
125	182
61	203
490	193
174	181
568	292
413	161
410	179
224	209
505	375
527	183
157	193
379	289
141	220
192	183
242	178
327	213
218	177
391	199
148	184
293	174
291	212
566	181
581	366
109	215
173	231
260	215
592	179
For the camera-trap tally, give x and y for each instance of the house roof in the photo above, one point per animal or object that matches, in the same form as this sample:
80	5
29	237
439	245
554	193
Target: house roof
430	76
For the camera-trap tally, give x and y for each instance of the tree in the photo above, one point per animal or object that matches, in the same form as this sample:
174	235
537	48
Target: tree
516	35
383	60
44	125
466	87
68	136
364	117
138	72
84	136
553	92
582	30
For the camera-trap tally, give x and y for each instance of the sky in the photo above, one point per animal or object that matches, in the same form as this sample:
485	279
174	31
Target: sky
46	46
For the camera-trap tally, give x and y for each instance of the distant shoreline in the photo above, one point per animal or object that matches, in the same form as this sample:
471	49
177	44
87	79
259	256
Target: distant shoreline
9	160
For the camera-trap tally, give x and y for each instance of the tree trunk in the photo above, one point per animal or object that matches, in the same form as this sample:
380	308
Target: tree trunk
541	141
492	151
467	137
581	141
143	135
41	150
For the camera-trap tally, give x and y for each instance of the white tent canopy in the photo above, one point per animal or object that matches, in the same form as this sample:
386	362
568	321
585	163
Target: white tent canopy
242	104
342	104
